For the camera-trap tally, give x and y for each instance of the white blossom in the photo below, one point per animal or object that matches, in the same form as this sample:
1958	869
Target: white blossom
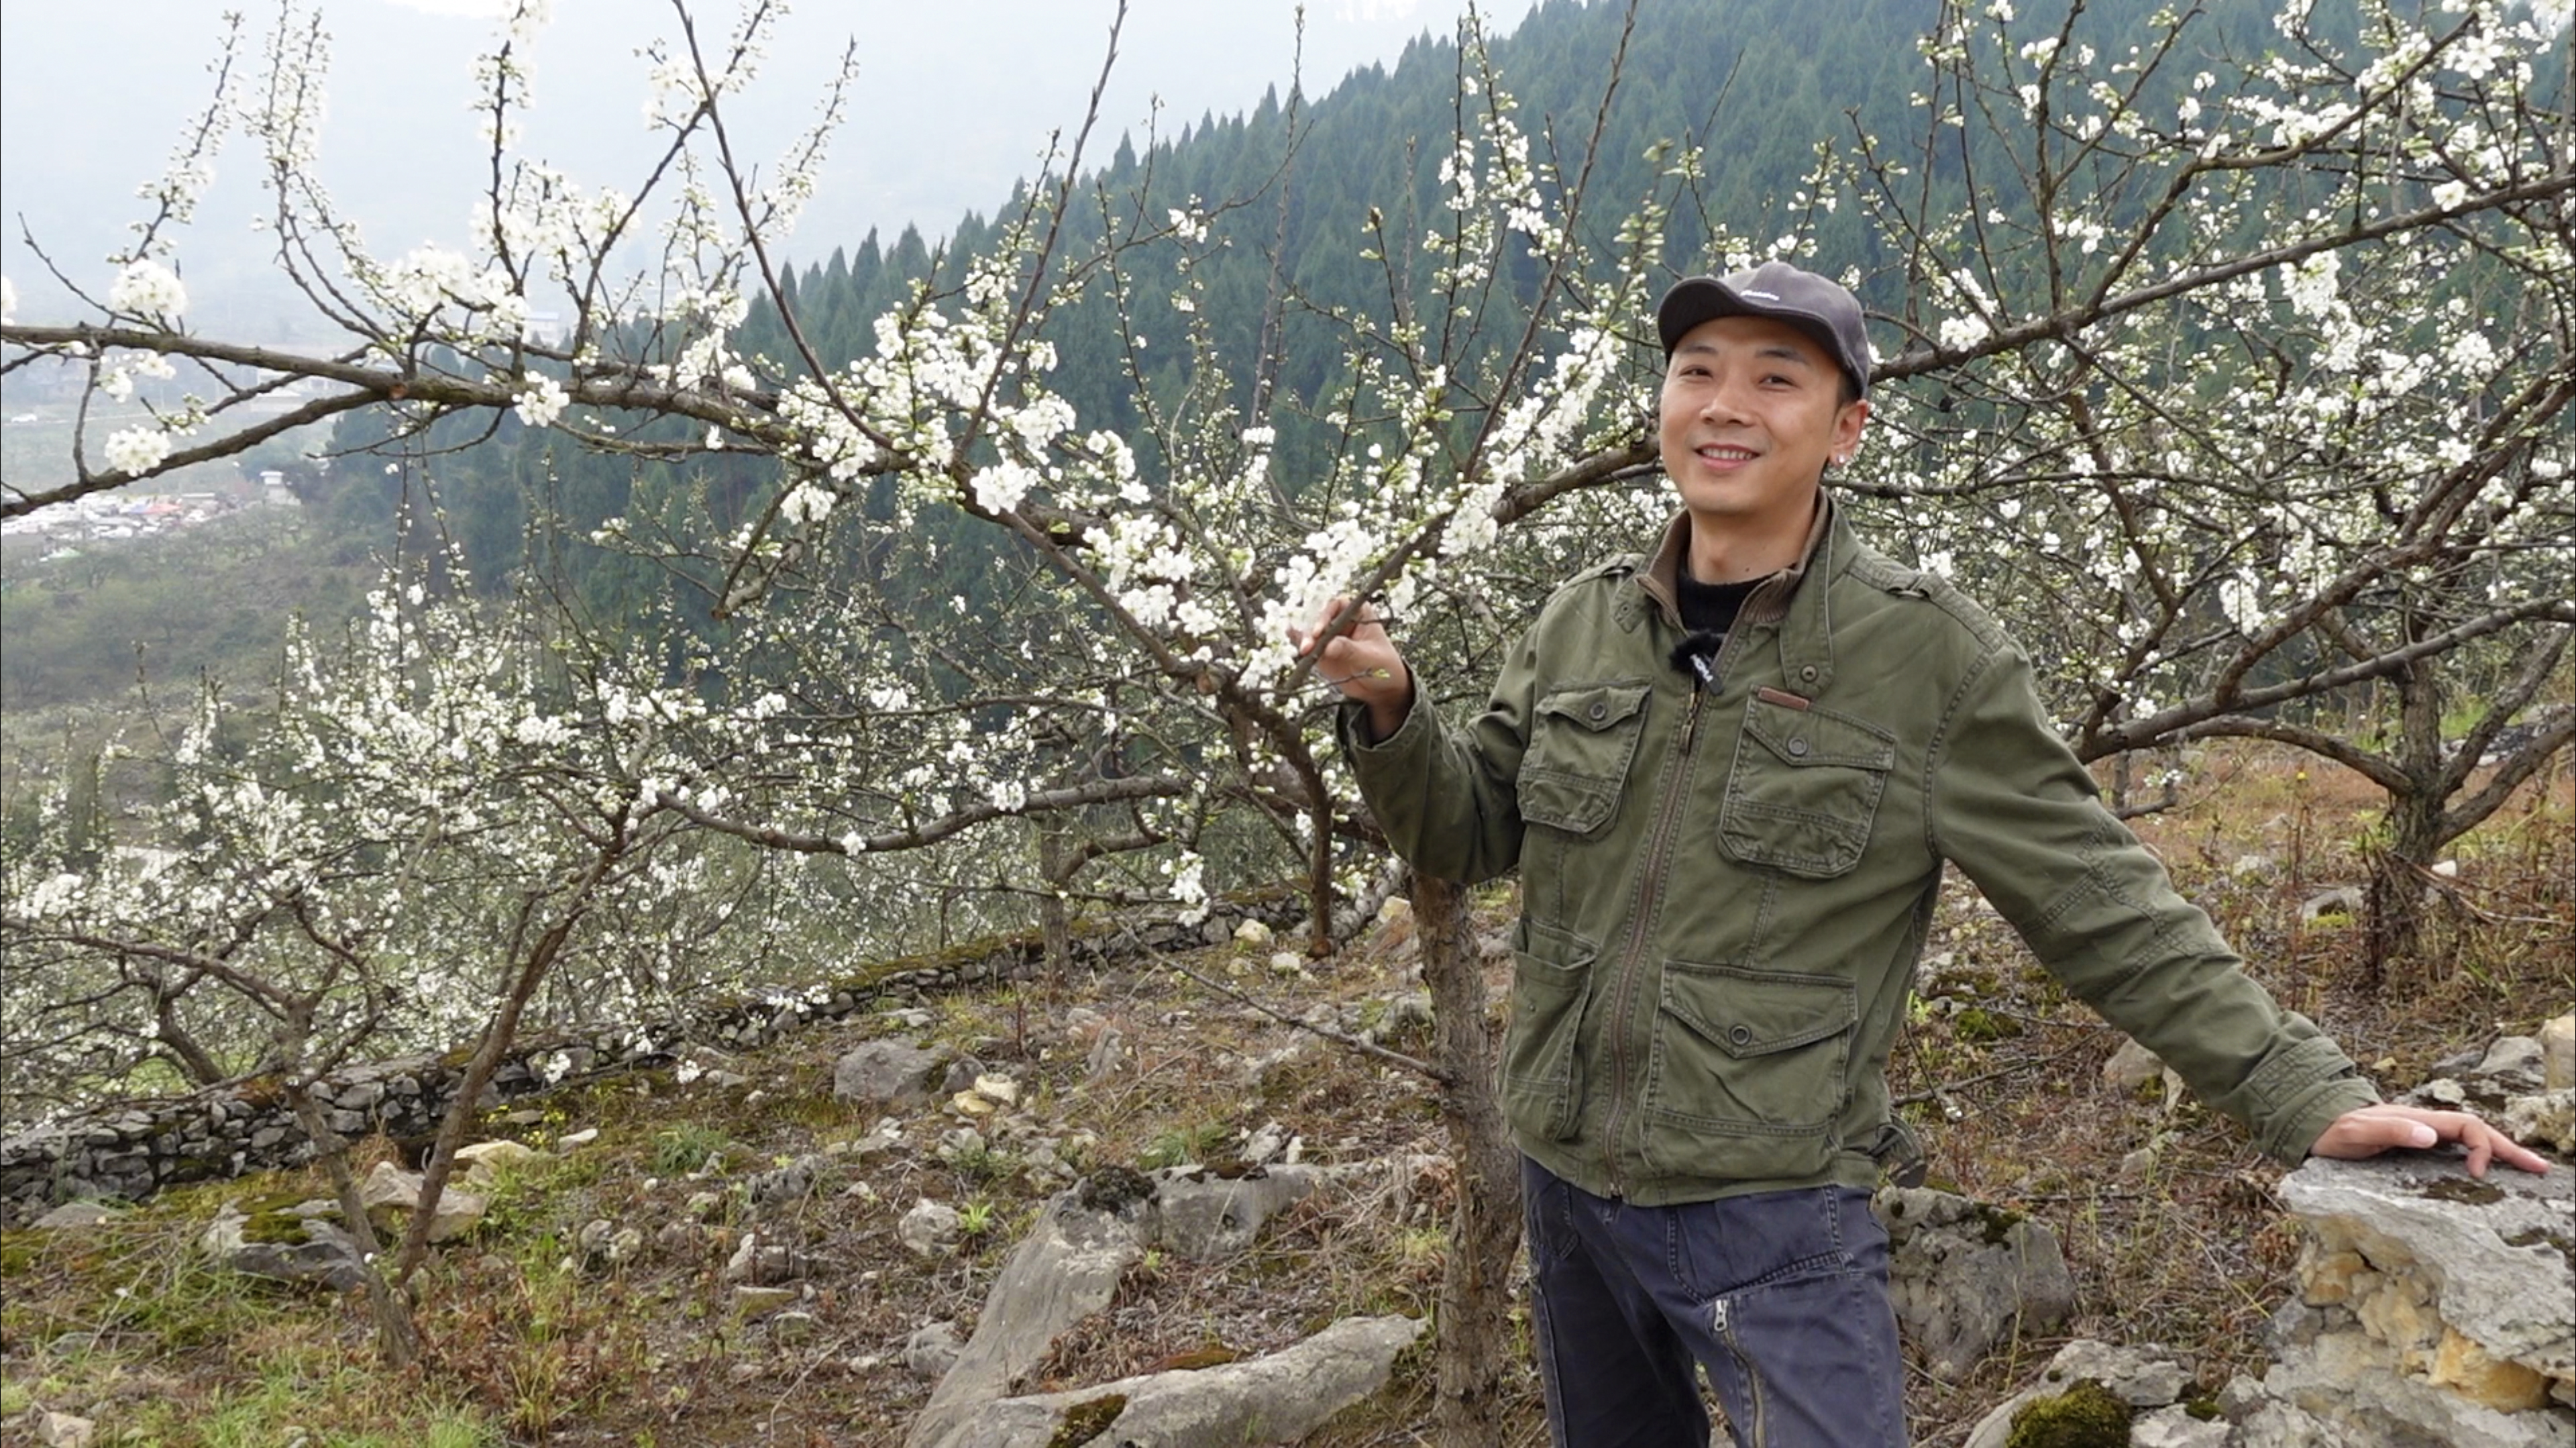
541	400
146	288
137	450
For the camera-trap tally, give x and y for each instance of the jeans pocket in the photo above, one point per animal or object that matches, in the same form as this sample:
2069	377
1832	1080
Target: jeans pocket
1803	792
1581	744
1542	1076
1749	1072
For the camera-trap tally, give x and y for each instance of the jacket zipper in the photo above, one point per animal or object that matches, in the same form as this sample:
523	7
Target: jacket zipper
1657	844
1712	673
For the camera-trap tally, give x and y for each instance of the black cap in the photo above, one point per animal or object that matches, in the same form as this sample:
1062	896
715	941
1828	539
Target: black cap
1819	307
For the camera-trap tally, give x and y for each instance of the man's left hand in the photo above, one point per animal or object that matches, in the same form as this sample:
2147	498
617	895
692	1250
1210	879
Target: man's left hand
2371	1130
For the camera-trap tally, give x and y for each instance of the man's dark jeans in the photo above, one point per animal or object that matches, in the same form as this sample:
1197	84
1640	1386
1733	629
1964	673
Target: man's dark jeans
1782	1296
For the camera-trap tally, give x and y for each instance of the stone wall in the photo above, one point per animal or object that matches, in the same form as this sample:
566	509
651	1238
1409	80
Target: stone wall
126	1151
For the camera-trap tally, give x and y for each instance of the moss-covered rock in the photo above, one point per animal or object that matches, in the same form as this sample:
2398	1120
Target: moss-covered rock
285	1229
1087	1420
2086	1415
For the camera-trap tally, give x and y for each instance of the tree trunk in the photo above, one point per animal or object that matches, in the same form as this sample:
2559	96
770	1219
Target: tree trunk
2411	829
2398	870
1474	1348
397	1336
498	1033
1055	922
1319	872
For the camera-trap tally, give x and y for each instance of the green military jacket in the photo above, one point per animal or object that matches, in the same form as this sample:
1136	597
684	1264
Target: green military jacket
1725	890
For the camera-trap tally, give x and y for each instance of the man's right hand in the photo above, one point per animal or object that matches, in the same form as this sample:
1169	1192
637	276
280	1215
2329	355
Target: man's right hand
1363	663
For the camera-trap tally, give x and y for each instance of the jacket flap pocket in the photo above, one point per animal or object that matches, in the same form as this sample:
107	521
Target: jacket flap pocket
1810	736
1550	956
1757	1012
1600	707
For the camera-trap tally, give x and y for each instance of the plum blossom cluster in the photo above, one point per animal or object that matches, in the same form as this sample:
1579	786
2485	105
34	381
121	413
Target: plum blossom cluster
541	400
135	451
146	288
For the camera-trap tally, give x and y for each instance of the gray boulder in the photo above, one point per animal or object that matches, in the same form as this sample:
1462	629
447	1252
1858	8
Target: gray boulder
2495	1253
389	1193
930	1229
2360	1391
887	1072
931	1351
2521	1060
1208	1219
785	1187
2543	1122
1965	1276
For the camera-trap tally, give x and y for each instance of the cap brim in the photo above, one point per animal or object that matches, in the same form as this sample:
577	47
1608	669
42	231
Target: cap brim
1693	301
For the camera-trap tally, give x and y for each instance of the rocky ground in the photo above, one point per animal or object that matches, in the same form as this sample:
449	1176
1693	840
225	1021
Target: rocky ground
788	1247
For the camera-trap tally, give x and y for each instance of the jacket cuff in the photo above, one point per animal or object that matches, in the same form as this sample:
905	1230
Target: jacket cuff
2297	1094
1350	723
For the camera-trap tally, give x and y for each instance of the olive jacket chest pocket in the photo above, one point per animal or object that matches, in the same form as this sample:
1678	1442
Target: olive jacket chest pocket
1804	789
1581	744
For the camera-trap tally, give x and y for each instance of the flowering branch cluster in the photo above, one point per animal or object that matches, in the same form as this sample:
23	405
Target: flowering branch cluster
2228	389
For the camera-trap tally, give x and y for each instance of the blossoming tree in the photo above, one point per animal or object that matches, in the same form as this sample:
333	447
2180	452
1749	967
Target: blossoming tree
2231	390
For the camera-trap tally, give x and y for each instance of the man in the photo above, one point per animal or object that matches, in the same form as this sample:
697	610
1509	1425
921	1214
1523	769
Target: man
1729	775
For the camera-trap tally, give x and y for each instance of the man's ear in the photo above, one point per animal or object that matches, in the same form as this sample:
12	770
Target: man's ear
1847	429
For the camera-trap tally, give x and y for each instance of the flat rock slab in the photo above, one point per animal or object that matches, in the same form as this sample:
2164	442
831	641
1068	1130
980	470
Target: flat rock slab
1064	1270
73	1215
1279	1398
2501	1251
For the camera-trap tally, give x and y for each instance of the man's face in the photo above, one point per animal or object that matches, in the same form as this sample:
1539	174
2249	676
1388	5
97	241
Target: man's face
1752	410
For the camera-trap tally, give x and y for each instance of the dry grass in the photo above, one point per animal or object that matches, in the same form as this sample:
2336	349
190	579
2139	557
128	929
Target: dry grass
530	1345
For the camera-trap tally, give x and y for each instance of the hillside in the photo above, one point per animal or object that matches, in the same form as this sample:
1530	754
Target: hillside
594	1304
1299	194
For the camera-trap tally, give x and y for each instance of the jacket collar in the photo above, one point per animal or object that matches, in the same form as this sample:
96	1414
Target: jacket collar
1805	620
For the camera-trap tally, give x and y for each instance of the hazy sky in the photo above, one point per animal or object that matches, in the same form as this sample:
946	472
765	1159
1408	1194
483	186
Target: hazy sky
955	99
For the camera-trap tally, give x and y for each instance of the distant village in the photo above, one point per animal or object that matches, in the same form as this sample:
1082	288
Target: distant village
116	515
39	399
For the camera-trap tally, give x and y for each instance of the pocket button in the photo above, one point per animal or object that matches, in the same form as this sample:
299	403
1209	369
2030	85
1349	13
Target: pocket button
1741	1035
1798	748
1598	712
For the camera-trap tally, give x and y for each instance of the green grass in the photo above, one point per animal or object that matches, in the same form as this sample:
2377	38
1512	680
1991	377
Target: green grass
686	1147
290	1406
1191	1142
